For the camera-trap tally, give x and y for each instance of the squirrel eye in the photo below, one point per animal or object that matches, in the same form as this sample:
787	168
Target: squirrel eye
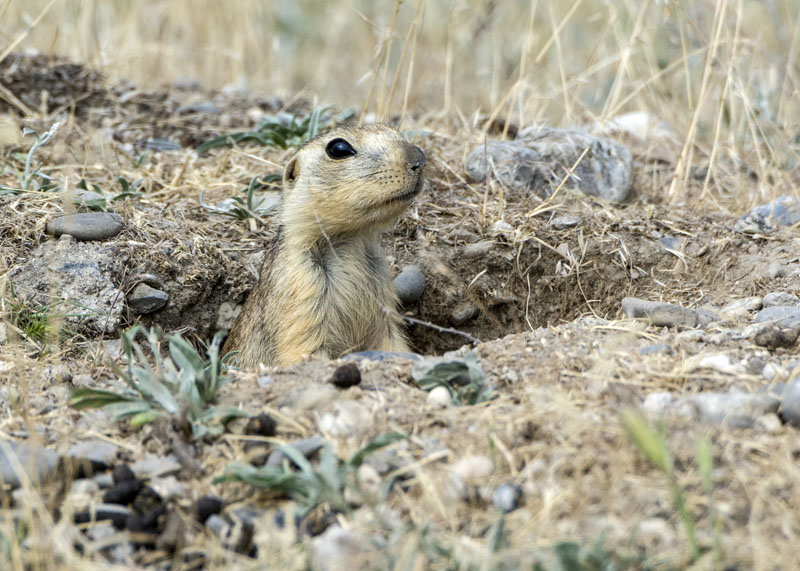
339	149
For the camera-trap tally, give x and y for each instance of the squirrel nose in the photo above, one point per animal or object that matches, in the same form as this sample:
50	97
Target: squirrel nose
416	159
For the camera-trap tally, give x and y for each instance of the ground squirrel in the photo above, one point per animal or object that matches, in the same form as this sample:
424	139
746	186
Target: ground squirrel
325	288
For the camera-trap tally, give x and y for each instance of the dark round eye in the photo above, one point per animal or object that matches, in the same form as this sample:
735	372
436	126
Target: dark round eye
339	149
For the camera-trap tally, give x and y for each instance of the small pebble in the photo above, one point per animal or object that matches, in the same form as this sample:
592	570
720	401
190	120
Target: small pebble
87	225
409	284
783	211
708	315
464	235
477	249
346	376
145	299
658	313
656	348
474	470
770	423
439	397
565	221
154	466
207	506
346	419
773	336
507	497
463	313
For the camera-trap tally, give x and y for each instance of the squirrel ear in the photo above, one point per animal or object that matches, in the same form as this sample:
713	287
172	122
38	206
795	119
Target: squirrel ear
291	172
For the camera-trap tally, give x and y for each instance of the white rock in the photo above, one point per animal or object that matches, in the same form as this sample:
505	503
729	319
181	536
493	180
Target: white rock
439	397
474	470
348	418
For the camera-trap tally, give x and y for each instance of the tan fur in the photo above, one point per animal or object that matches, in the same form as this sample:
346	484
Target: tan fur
325	288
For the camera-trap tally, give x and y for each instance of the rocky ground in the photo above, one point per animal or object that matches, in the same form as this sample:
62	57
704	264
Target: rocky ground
562	285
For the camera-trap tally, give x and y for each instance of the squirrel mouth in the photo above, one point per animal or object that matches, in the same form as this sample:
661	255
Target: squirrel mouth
407	196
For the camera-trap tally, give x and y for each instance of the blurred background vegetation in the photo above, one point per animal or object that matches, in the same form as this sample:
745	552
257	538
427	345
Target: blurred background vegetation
725	74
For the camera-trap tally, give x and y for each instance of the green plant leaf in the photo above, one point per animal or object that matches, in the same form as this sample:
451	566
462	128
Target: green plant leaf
376	443
142	418
95	398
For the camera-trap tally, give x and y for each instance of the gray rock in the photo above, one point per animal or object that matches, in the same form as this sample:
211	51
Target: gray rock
565	221
781	315
227	314
671	243
655	349
780	298
507	497
409	284
464	235
23	461
154	466
145	299
477	249
735	409
540	157
772	335
463	313
790	403
306	446
77	279
87	226
783	211
98	452
658	313
708	315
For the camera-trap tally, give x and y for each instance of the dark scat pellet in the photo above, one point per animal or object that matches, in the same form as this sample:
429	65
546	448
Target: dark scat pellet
206	507
146	499
346	376
261	425
122	473
123	493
